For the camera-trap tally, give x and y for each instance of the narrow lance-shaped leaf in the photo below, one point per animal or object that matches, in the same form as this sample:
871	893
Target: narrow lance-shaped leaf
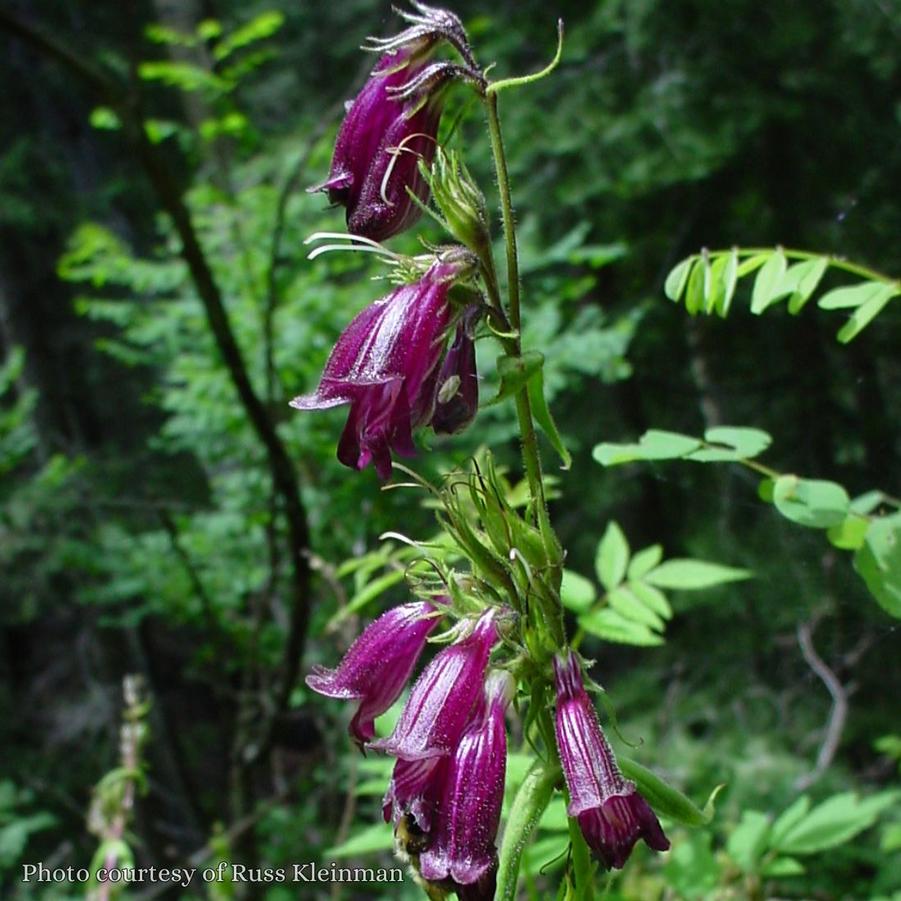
543	417
612	556
768	284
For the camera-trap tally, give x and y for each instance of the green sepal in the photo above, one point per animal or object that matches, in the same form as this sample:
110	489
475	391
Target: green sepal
666	800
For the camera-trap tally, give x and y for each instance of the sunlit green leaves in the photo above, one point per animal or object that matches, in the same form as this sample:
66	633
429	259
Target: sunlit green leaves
706	283
632	608
879	562
814	503
612	557
759	845
528	370
720	444
693	575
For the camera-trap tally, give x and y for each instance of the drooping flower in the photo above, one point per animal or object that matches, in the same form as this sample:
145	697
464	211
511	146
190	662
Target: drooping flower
379	146
462	849
457	400
384	365
442	698
611	813
378	664
414	792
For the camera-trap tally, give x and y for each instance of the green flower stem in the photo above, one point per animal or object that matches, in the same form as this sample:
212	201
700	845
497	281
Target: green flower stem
525	812
582	866
530	452
834	262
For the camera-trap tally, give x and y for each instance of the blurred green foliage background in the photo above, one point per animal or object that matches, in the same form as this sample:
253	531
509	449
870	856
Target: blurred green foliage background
140	531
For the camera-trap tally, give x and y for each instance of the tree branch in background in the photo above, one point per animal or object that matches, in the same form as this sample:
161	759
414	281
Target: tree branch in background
838	714
281	468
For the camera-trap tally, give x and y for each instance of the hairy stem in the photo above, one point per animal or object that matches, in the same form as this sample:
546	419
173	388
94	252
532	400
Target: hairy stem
530	452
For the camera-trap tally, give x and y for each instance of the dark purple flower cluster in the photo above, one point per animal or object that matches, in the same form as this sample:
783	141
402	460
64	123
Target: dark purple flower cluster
450	741
387	364
611	813
378	149
390	363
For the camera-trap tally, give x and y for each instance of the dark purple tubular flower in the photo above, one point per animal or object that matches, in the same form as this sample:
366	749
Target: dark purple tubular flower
611	813
377	665
469	809
442	697
414	790
458	381
379	147
384	365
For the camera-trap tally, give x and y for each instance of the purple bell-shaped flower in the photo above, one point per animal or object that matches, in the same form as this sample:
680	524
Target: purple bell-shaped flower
385	365
377	665
379	146
442	698
462	848
611	813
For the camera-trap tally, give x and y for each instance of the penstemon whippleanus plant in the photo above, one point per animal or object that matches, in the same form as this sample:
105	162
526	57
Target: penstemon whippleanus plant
407	361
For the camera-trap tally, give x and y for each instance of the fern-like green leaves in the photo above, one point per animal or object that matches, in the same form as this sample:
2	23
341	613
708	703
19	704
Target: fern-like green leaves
707	281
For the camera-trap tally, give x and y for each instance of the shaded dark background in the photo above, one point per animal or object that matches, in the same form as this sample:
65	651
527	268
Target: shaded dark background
140	530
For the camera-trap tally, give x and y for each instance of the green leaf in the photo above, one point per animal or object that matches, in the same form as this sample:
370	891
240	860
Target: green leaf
748	840
867	502
768	284
677	279
789	819
730	280
372	840
653	445
105	119
783	867
814	503
555	818
715	290
184	76
612	556
546	855
850	533
804	277
866	313
835	821
626	602
854	295
645	560
697	285
879	562
525	812
691	575
366	595
666	800
740	443
543	417
746	267
613	626
515	372
576	592
652	597
262	26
